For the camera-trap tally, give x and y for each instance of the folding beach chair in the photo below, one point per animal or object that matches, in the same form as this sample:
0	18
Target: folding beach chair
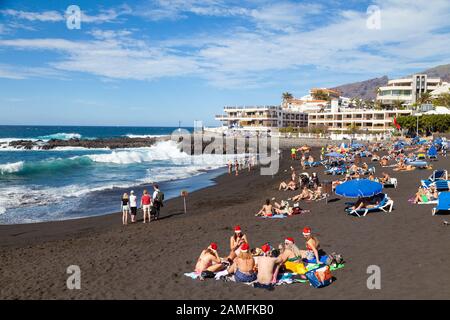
443	203
385	205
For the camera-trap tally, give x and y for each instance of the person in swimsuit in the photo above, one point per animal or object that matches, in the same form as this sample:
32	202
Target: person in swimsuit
209	260
125	208
291	185
266	211
243	267
267	267
290	257
312	246
236	241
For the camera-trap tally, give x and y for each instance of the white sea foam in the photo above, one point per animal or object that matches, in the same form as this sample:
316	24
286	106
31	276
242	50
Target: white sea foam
61	136
145	135
11	167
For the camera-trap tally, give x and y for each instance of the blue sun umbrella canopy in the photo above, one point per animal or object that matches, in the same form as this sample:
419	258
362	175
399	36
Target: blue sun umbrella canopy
359	188
334	155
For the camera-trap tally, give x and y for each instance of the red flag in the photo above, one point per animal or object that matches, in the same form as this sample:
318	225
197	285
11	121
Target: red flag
396	124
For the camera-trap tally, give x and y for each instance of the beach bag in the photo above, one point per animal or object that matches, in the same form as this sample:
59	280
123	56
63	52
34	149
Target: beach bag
320	278
207	275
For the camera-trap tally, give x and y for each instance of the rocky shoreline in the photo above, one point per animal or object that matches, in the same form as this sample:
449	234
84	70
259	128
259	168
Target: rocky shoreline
110	143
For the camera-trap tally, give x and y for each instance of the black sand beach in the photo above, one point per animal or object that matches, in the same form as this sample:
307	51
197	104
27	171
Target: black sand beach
148	261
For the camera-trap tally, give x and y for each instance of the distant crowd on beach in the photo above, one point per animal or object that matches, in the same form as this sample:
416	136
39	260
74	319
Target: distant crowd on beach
150	204
241	164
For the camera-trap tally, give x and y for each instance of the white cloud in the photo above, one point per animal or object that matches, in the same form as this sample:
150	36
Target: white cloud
411	36
45	16
108	15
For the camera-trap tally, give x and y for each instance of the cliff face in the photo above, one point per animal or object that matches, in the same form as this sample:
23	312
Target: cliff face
367	89
364	89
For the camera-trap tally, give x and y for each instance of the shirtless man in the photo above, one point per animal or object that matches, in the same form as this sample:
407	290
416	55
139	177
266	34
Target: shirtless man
209	260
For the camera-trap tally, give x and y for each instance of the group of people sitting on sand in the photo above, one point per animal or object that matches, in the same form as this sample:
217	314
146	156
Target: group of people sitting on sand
260	266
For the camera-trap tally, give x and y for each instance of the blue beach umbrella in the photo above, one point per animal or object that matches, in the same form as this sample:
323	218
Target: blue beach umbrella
334	155
359	188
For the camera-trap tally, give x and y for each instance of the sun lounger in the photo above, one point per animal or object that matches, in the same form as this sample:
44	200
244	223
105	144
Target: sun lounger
442	185
443	203
385	205
392	182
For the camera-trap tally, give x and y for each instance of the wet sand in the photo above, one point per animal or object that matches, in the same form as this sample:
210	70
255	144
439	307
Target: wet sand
148	261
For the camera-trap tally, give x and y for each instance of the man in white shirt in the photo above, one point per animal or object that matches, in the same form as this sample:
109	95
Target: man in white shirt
133	206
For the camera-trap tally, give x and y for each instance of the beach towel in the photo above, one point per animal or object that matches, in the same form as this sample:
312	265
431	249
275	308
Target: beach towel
282	279
276	216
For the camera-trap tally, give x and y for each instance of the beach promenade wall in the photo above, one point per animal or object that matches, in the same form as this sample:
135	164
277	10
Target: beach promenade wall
313	142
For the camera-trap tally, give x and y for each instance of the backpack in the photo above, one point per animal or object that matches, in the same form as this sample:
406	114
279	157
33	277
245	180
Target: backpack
160	197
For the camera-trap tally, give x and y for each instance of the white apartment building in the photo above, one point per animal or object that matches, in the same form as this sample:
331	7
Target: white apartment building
262	118
370	121
407	90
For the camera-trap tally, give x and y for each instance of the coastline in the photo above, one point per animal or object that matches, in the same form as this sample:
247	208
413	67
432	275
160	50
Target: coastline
148	261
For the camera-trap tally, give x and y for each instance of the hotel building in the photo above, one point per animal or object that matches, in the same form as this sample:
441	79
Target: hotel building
407	90
262	118
370	121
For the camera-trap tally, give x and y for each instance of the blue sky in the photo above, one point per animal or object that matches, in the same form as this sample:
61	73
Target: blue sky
151	63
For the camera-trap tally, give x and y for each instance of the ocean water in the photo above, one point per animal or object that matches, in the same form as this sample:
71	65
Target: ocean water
38	185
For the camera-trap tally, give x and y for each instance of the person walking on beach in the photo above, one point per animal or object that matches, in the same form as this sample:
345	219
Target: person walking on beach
133	206
293	154
125	208
158	199
236	165
146	202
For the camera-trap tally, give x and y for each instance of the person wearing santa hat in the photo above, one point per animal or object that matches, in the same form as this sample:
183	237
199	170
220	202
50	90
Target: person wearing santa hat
312	246
243	267
209	260
267	268
236	241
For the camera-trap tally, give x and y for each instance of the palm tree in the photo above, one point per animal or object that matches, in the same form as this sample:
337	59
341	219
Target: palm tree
398	104
424	98
287	96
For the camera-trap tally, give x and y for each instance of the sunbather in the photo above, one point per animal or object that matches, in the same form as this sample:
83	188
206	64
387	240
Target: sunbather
209	260
236	241
291	257
365	203
385	178
244	266
266	266
267	210
291	185
312	246
282	208
306	194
